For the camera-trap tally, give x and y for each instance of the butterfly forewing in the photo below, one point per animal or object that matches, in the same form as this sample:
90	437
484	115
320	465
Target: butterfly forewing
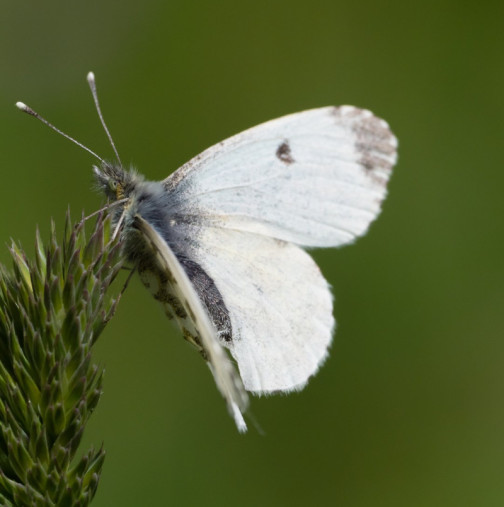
315	178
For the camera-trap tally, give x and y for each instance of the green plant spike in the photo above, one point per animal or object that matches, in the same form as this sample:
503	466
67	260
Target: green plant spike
52	310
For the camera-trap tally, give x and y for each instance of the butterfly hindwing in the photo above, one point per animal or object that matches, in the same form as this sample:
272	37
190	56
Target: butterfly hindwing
279	303
165	276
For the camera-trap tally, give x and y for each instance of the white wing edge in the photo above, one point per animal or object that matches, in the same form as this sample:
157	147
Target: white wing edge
226	377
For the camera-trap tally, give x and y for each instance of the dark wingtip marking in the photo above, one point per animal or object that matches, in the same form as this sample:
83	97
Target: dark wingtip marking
283	153
374	141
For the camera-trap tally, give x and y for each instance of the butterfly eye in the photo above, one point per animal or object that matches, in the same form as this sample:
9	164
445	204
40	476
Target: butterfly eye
112	185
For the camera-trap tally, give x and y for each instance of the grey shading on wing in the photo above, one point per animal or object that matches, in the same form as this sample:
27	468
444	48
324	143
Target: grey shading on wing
251	203
164	263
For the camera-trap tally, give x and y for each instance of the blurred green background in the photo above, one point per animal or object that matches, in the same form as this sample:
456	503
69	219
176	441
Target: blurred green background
408	410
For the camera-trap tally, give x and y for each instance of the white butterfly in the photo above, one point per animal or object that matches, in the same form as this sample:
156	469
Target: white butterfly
220	241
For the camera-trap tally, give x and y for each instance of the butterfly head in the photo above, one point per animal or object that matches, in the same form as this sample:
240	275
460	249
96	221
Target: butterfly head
115	182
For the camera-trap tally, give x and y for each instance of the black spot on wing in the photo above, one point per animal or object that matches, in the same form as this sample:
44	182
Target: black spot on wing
284	154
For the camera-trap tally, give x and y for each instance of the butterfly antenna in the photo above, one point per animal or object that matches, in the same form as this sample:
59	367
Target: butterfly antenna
28	110
92	84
